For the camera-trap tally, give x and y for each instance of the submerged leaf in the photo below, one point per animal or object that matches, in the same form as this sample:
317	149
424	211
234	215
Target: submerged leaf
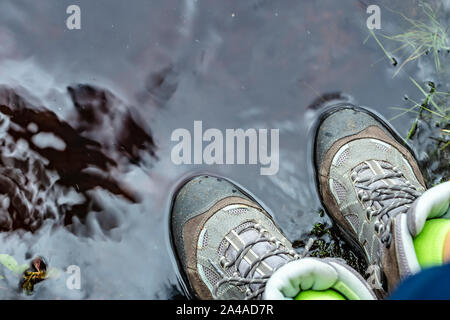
9	262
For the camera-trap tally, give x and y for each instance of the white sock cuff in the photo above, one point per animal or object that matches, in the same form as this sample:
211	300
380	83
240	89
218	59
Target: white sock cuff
315	274
433	203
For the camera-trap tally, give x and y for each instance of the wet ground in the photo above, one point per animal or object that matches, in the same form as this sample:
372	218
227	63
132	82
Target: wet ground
87	116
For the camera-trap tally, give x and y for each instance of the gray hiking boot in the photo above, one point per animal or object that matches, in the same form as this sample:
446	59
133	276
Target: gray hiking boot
368	180
230	248
227	244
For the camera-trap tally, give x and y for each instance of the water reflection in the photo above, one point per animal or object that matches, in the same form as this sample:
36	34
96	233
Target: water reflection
86	118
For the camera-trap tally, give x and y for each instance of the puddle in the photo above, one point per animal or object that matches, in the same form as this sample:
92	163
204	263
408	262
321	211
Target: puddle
86	118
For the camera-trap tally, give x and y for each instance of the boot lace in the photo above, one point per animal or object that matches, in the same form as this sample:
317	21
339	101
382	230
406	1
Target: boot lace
402	196
254	284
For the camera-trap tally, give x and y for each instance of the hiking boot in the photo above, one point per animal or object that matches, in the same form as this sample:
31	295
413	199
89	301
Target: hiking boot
228	247
368	180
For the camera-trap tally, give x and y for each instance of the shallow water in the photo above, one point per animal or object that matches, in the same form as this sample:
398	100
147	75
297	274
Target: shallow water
94	189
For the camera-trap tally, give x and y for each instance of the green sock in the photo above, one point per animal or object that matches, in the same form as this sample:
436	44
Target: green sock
429	243
329	294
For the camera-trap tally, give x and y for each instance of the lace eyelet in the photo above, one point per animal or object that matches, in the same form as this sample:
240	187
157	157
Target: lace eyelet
369	213
360	194
387	240
379	228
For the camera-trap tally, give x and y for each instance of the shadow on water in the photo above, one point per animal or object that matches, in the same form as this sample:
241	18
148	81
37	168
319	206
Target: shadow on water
44	158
